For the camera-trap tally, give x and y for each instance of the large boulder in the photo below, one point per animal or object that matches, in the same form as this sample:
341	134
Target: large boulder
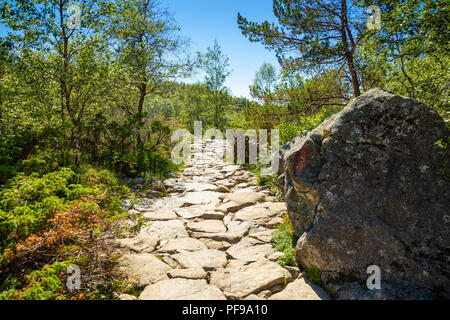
369	186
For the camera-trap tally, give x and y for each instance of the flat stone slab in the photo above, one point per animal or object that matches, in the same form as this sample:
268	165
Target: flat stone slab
207	211
193	273
142	243
165	230
241	200
208	259
181	244
250	249
240	227
264	235
301	289
197	198
208	226
263	213
160	215
250	279
226	236
182	289
218	245
142	269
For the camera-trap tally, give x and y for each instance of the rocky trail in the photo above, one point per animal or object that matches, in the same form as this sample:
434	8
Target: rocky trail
210	238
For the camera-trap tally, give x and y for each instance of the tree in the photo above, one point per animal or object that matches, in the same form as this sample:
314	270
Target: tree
148	51
265	83
68	57
216	65
411	49
313	34
5	54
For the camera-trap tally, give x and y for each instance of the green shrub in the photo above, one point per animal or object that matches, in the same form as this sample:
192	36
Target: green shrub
285	241
41	284
289	130
27	202
333	294
313	274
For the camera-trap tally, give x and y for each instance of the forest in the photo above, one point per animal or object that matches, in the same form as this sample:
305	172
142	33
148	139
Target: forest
92	90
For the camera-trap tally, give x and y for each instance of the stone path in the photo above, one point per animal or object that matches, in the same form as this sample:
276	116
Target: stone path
209	239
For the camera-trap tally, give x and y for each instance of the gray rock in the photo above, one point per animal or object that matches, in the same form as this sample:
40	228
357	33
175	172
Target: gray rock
367	187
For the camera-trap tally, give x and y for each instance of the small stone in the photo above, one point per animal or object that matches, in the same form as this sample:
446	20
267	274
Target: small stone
294	271
275	256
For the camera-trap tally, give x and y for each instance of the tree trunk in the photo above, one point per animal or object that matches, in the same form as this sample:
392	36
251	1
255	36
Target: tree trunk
75	144
142	91
349	47
354	75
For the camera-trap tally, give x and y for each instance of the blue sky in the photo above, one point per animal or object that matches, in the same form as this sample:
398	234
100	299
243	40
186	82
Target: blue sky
202	21
205	20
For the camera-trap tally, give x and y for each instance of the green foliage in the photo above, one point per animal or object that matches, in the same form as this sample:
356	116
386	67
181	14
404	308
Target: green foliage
269	181
290	130
313	274
265	83
285	241
411	50
333	294
216	66
44	284
311	36
28	200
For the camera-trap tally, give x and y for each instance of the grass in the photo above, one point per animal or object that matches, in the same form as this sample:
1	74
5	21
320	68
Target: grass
285	241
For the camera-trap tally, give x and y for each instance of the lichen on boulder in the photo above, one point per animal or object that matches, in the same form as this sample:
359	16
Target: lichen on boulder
369	187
